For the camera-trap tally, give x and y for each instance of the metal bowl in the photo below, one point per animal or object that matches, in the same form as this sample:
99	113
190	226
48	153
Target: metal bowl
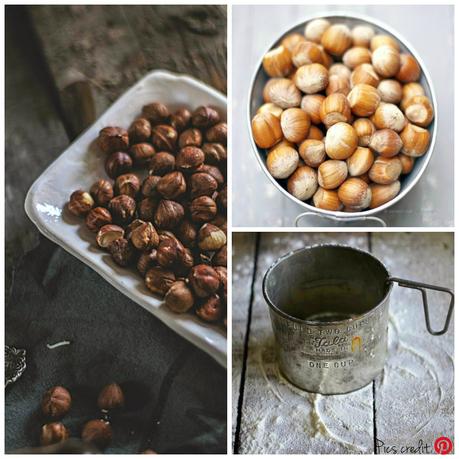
407	182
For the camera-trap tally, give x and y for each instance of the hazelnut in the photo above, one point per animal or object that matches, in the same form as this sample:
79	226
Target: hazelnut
386	60
291	40
312	152
80	203
277	62
282	92
355	56
162	163
147	208
380	194
336	39
122	251
102	192
146	261
179	297
335	109
52	433
204	117
364	74
311	104
184	263
214	172
203	209
149	185
407	163
383	40
271	108
97	432
362	35
168	214
159	280
419	111
140	130
390	91
338	84
340	70
164	137
363	99
204	280
341	141
327	199
168	253
410	90
113	139
131	227
189	158
107	234
111	397
415	140
305	52
266	129
171	185
364	129
385	170
389	116
142	153
122	208
56	402
315	133
311	78
211	309
282	161
220	257
355	194
217	133
222	199
303	183
187	233
128	184
211	238
144	236
202	184
98	217
331	174
156	113
295	124
214	153
181	119
315	29
190	138
118	163
360	161
386	142
409	69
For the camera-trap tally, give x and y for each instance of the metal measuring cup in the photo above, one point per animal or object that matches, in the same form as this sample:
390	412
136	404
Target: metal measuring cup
329	308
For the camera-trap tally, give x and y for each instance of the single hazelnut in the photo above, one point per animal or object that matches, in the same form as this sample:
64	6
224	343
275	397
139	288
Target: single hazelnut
380	194
364	129
168	214
189	158
282	161
312	152
282	92
165	235
204	117
111	397
386	142
102	192
217	133
277	62
214	153
385	170
202	184
187	233
146	261
407	163
52	433
80	203
211	309
389	116
338	84
203	209
142	153
122	208
171	185
360	161
331	174
164	137
107	234
148	188
410	90
295	124
291	40
383	40
327	199
122	251
144	236
409	69
128	184
98	217
222	199
184	263
146	208
305	52
220	257
364	74
56	402
386	61
98	432
390	91
214	172
303	183
311	78
355	194
190	138
311	104
118	163
181	119
415	140
315	133
271	108
168	253
335	109
419	111
179	298
156	113
336	39
341	141
315	29
362	35
113	139
211	238
131	227
355	56
159	280
204	280
162	163
363	99
340	70
140	130
266	129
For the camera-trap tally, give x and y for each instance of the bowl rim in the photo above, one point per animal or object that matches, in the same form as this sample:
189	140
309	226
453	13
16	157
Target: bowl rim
340	215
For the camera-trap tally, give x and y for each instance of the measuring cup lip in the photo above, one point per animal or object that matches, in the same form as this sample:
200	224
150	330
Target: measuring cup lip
331	322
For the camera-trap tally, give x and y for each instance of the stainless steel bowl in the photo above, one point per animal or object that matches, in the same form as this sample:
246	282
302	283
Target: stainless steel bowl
407	182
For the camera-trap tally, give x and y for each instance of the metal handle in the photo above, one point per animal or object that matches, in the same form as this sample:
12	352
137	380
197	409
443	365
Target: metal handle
422	288
339	219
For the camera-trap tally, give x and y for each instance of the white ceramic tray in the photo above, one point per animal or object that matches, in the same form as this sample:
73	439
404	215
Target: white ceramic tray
82	164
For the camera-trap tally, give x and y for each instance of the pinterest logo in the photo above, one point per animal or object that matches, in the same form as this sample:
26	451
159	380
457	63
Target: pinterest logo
443	445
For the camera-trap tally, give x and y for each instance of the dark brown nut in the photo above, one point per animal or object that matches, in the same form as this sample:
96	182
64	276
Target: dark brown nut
52	433
189	158
181	119
202	184
204	117
222	199
111	397
172	185
56	402
179	297
140	130
214	172
164	137
162	163
98	217
80	203
131	227
203	209
97	432
156	113
142	153
165	235
122	208
113	139
169	252
122	251
204	280
184	263
107	234
190	138
217	133
214	153
144	236
149	185
211	238
147	208
187	233
146	261
128	184
211	309
220	258
102	192
159	280
118	163
168	214
223	274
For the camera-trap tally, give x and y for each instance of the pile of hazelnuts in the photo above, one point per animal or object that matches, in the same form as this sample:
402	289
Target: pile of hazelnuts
344	116
172	224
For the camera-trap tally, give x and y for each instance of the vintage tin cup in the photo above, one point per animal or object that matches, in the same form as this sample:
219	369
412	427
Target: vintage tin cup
329	307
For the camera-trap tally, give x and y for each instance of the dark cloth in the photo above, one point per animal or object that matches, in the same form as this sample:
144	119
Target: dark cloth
175	393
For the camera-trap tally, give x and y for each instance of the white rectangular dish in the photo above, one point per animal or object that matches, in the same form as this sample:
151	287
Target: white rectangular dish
82	164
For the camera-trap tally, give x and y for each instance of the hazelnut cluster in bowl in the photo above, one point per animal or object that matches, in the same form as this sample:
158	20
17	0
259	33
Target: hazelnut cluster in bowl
344	115
163	207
